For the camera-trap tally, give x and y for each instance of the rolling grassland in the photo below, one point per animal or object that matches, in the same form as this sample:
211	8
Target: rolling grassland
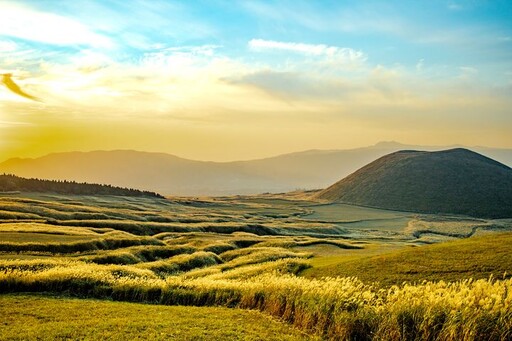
332	271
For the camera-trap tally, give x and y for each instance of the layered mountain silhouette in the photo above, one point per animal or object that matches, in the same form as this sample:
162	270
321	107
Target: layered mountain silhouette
172	175
456	181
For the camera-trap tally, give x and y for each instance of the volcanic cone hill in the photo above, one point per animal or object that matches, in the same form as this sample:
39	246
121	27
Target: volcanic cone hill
456	181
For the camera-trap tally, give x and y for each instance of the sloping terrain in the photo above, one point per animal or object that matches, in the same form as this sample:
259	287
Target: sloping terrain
456	181
477	257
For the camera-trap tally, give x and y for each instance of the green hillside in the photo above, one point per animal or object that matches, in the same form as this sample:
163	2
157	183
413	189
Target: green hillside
456	181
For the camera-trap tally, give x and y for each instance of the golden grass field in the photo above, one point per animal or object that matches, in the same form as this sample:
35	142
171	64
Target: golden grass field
329	271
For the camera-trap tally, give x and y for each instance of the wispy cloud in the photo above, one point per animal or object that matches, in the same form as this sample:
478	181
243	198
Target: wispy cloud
330	53
420	64
467	73
11	123
455	7
361	17
139	24
8	46
301	13
295	87
169	80
24	22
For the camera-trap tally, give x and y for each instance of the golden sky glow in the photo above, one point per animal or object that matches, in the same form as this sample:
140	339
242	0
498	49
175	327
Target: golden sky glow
213	92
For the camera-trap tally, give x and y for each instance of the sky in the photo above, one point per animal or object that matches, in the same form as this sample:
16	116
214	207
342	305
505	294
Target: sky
235	80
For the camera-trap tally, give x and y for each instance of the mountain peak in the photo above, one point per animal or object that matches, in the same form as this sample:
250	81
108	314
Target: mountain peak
389	144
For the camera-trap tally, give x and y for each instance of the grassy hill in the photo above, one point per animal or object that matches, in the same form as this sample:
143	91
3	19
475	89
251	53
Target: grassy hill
10	183
456	181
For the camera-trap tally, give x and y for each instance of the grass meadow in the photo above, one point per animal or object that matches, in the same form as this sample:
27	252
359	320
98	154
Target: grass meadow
35	317
197	266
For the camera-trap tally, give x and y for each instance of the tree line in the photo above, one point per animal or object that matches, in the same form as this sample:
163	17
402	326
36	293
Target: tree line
9	182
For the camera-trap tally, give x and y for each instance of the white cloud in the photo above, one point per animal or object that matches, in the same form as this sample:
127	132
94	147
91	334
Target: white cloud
420	65
169	80
467	72
90	60
331	52
11	124
204	50
455	6
201	84
8	46
26	23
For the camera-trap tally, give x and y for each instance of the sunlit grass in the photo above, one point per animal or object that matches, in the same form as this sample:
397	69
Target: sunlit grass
240	253
54	318
477	257
343	308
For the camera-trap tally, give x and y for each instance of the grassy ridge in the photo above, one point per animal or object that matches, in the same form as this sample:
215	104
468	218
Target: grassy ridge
36	237
138	254
151	228
476	257
104	243
182	263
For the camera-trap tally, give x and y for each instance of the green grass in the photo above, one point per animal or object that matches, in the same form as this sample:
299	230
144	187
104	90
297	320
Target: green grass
37	237
245	252
182	263
137	254
339	308
349	213
15	237
105	243
476	257
29	317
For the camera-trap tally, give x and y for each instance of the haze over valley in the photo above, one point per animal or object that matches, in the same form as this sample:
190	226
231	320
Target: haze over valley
171	175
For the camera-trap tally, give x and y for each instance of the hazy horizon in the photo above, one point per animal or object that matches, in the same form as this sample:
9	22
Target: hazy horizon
226	81
382	144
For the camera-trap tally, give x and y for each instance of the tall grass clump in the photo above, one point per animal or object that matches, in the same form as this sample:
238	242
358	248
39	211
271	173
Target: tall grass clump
182	263
335	308
138	254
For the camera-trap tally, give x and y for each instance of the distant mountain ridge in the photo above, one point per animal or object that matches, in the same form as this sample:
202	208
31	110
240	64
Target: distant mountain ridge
172	175
457	181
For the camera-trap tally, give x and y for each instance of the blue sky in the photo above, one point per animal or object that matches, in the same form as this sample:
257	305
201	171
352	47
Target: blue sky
444	32
333	74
